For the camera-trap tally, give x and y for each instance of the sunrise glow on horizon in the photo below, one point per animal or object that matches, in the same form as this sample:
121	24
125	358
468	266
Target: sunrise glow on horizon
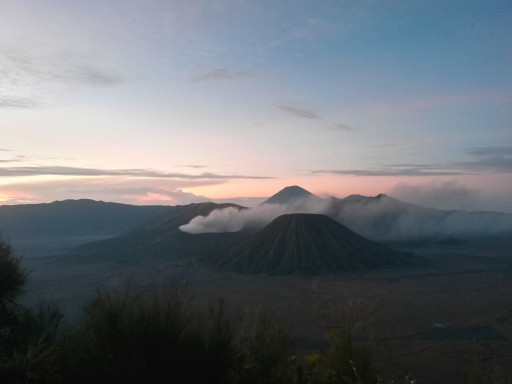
175	102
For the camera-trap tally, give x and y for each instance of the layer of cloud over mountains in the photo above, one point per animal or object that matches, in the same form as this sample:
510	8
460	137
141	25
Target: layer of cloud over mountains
230	235
381	217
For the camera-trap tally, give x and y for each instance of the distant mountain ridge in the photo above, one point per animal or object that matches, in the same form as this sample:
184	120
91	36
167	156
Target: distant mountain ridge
289	195
73	217
154	230
354	197
385	218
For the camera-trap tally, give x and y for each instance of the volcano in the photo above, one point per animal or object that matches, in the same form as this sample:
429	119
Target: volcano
311	244
289	195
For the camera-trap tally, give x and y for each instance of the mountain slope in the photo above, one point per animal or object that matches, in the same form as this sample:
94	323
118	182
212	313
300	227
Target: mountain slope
310	244
385	218
161	237
289	195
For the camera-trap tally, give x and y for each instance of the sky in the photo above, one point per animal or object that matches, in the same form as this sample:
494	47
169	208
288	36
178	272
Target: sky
175	101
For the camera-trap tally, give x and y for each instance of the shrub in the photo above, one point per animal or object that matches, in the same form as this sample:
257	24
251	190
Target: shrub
266	351
348	363
27	336
149	337
29	344
12	278
347	360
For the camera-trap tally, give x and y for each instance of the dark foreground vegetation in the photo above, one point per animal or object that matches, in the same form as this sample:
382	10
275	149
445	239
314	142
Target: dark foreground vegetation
154	335
157	335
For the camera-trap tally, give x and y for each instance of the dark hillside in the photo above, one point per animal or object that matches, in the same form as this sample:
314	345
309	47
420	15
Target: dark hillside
160	236
311	244
73	218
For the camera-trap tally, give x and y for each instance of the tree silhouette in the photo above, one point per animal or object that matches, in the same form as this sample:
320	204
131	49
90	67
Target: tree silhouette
13	277
27	335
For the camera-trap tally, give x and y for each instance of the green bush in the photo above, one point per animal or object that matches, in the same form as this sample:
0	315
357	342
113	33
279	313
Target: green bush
347	360
12	278
28	337
347	363
29	345
149	337
266	350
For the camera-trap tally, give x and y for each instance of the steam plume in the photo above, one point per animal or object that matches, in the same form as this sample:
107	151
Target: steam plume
379	218
233	219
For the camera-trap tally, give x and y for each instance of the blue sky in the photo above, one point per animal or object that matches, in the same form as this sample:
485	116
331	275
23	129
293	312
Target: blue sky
178	101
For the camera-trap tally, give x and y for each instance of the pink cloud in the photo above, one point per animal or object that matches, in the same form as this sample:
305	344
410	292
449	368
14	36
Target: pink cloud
14	197
151	197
